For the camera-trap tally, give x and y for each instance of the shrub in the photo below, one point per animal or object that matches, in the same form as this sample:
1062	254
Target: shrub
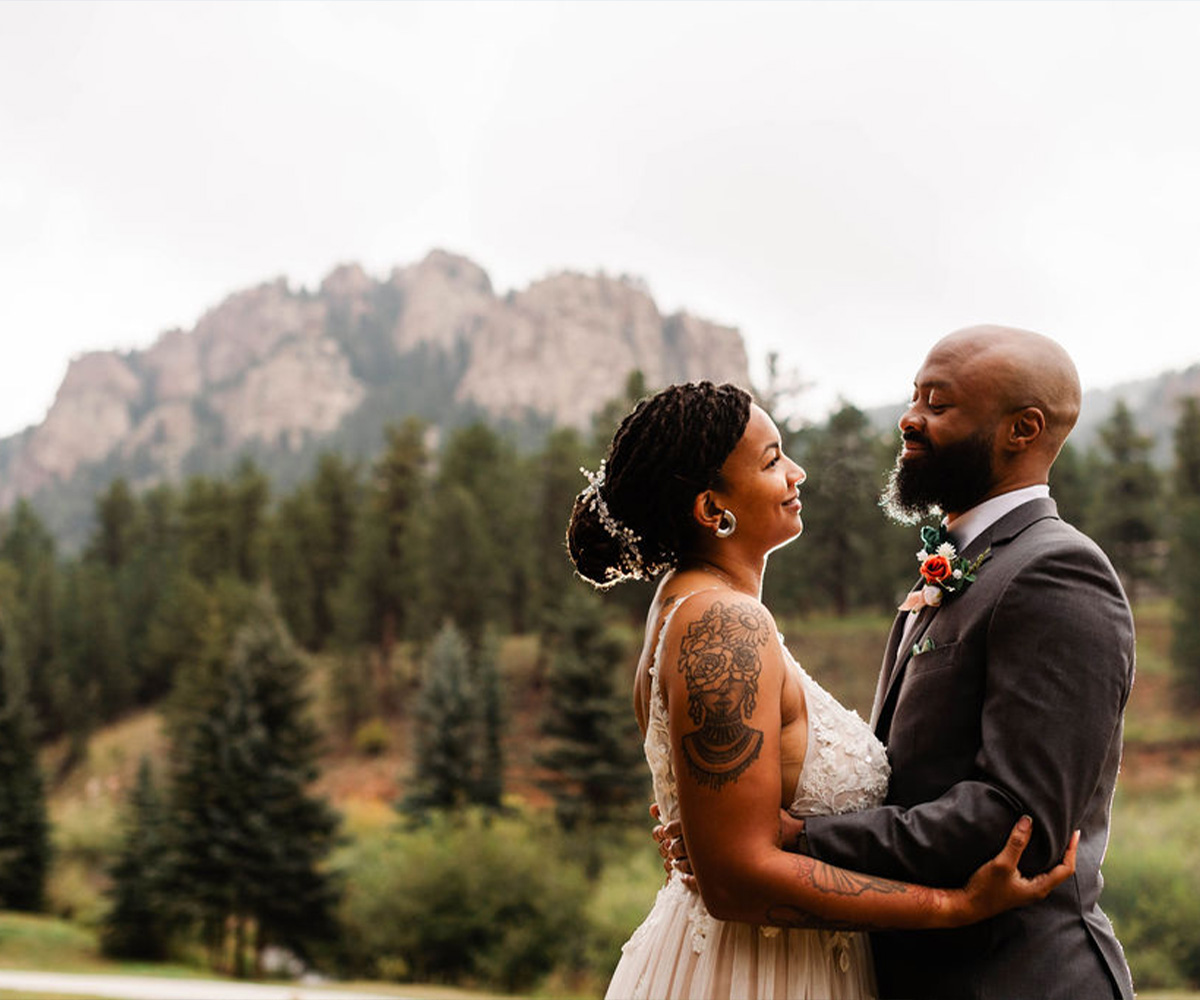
462	900
1152	890
372	738
620	900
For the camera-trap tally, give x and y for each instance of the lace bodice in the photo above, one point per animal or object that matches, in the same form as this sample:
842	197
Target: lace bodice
845	767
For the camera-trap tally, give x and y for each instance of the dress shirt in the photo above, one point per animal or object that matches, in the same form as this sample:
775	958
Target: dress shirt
969	525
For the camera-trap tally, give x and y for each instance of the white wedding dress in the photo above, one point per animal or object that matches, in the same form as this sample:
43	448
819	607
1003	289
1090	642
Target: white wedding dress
681	951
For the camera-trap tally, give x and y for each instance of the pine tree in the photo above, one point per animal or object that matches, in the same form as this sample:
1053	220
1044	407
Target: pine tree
868	559
1186	478
91	648
337	497
480	529
24	829
594	751
1184	562
290	569
1126	514
249	841
138	921
151	580
446	746
114	536
558	482
31	616
292	897
1185	588
310	541
1071	484
380	597
111	601
489	779
249	494
206	529
467	571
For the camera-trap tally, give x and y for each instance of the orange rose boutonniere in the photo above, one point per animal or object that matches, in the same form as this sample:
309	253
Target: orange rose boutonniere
943	570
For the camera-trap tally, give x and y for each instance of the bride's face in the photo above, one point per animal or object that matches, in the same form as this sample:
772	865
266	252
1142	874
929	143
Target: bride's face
761	485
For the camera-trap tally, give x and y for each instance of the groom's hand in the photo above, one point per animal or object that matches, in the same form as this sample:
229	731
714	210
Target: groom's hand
791	833
672	849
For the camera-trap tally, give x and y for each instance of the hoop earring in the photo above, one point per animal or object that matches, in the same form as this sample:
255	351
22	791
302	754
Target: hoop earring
727	525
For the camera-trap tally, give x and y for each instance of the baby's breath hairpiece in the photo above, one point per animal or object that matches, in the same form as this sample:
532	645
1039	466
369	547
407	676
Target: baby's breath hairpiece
624	535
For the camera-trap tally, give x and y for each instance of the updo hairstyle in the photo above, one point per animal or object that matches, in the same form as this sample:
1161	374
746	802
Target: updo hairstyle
668	449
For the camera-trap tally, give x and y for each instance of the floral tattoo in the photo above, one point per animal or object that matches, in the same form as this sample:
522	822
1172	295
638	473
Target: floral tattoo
720	660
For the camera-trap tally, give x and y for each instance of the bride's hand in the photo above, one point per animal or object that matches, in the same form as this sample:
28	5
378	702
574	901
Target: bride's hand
998	885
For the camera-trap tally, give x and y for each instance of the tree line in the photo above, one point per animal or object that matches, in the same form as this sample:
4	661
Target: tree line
208	597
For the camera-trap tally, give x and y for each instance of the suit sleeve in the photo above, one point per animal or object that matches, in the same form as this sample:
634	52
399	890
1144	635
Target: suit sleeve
1059	666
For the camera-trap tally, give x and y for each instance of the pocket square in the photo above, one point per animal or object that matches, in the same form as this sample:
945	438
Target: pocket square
924	646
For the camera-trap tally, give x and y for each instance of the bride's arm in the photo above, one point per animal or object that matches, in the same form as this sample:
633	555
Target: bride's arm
722	672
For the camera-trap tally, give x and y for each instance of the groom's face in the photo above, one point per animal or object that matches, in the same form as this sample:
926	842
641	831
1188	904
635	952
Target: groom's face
950	477
949	429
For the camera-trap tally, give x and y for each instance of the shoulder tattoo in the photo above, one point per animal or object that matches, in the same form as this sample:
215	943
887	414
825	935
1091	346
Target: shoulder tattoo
720	658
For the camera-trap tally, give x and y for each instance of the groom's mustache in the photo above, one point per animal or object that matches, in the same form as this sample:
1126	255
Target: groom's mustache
916	437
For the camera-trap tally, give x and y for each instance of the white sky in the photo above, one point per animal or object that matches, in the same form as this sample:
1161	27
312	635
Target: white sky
842	181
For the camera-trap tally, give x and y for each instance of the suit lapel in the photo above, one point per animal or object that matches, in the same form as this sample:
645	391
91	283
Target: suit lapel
896	659
889	665
889	681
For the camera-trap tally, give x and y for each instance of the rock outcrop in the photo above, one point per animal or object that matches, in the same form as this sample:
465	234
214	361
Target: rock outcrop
278	367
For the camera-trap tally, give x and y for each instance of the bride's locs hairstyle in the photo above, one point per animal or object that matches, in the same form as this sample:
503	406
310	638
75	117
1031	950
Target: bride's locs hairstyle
668	449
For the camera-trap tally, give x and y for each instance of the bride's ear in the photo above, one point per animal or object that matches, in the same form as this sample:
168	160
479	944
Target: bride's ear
707	511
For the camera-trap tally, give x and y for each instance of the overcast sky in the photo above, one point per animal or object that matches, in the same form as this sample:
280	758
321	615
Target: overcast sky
844	182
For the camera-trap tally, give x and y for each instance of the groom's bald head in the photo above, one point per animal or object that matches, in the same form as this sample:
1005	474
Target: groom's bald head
990	410
1017	369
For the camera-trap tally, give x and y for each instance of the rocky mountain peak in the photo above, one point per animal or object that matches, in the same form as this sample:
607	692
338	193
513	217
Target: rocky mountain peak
278	368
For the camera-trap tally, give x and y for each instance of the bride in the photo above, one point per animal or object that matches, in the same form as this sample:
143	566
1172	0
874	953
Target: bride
696	488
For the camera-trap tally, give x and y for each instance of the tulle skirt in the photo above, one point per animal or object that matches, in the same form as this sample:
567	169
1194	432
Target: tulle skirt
681	951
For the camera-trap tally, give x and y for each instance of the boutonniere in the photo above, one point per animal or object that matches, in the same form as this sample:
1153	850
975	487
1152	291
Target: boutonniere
944	571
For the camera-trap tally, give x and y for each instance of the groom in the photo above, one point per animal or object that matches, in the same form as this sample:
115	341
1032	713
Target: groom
1002	691
1004	697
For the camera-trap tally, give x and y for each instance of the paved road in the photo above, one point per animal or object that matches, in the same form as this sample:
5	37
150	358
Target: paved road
149	988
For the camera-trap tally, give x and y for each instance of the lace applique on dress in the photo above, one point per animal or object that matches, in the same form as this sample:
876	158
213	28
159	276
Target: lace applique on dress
846	767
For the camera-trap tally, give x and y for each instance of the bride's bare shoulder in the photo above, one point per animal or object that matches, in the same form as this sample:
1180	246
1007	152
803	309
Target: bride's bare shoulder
719	618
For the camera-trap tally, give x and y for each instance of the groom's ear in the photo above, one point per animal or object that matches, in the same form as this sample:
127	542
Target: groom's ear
1027	427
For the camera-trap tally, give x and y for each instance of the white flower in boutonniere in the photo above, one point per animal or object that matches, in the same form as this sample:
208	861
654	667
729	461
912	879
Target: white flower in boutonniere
943	570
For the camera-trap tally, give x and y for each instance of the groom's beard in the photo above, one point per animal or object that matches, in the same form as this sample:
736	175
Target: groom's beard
952	477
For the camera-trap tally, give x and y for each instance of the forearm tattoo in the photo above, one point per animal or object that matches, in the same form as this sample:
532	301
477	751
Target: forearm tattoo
721	663
833	881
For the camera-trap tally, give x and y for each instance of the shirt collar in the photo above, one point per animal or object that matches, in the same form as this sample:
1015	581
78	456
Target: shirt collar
970	524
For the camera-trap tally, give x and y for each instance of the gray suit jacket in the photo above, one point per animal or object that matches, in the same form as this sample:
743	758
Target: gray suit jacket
1016	708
